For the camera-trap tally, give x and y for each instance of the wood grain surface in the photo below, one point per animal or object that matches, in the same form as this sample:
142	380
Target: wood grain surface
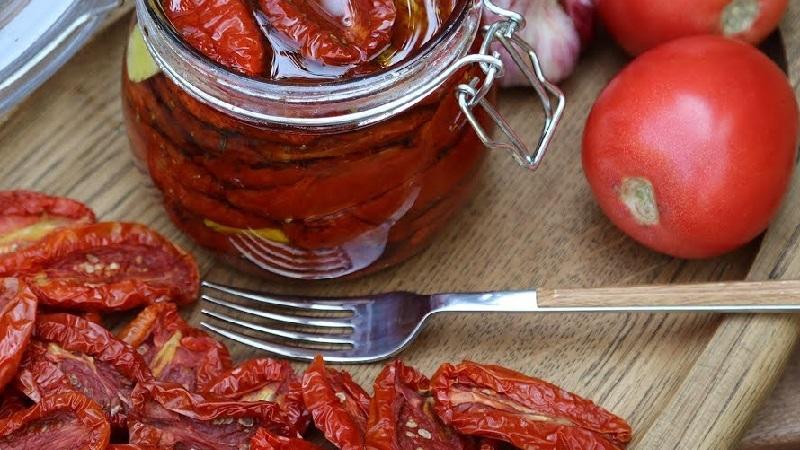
777	424
683	381
739	293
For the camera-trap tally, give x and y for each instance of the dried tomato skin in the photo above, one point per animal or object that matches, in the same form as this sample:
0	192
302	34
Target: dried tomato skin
17	316
144	268
490	444
132	447
12	401
342	420
371	218
159	405
319	196
401	390
479	400
87	414
39	376
28	210
318	37
223	30
205	357
254	378
264	440
31	203
76	334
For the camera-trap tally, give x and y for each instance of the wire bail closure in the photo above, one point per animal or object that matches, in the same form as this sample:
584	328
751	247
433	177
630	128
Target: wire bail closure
474	94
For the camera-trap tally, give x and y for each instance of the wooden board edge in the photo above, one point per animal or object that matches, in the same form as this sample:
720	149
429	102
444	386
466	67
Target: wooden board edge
745	358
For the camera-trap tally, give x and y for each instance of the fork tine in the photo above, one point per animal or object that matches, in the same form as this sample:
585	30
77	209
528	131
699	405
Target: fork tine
278	349
301	353
296	320
294	335
331	305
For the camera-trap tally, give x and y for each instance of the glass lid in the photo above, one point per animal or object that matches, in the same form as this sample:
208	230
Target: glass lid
39	36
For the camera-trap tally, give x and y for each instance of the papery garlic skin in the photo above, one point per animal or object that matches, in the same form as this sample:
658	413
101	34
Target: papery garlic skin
552	32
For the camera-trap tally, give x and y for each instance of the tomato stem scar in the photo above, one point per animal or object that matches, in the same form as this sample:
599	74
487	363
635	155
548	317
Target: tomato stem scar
638	195
739	16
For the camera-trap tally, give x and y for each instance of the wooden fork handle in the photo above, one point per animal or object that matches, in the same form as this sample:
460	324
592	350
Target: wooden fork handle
743	293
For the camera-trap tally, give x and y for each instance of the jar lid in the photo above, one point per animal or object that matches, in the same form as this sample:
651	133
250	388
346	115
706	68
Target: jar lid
38	37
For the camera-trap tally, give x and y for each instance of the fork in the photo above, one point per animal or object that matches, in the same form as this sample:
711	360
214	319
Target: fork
370	328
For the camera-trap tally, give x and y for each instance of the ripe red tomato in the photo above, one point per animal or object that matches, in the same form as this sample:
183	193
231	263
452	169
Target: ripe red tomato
639	25
690	149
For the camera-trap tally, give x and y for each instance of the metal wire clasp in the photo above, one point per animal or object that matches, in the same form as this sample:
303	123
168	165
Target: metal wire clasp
473	94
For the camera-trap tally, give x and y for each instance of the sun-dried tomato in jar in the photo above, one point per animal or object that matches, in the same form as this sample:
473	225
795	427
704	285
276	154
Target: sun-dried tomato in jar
307	139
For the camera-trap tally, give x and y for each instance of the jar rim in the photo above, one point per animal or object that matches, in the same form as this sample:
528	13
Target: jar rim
341	103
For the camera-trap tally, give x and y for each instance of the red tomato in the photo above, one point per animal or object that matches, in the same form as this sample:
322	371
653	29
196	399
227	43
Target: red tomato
690	149
639	25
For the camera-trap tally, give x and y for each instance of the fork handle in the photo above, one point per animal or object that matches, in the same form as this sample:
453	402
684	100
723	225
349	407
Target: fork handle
728	297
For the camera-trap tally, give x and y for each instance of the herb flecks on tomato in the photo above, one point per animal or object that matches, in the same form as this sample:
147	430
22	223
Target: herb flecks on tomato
498	403
338	405
223	30
110	266
166	414
73	354
402	417
351	34
265	379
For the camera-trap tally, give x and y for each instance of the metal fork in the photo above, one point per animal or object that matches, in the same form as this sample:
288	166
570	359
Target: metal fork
376	327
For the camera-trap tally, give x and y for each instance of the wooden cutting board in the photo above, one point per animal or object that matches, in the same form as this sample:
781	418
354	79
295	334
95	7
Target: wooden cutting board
683	381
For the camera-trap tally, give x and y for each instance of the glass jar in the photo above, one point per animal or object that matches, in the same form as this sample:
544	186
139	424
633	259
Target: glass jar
322	180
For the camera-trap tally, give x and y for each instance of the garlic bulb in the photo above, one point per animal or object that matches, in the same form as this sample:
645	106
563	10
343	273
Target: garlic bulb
557	29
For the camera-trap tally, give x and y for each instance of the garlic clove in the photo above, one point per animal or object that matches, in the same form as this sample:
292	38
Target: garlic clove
140	63
557	31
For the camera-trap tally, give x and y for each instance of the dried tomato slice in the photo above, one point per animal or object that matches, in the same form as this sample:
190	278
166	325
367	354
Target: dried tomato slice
319	195
109	266
344	37
372	217
491	401
91	316
337	404
74	354
12	401
26	217
67	420
174	351
167	415
133	447
17	316
265	379
490	444
264	440
401	414
223	30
